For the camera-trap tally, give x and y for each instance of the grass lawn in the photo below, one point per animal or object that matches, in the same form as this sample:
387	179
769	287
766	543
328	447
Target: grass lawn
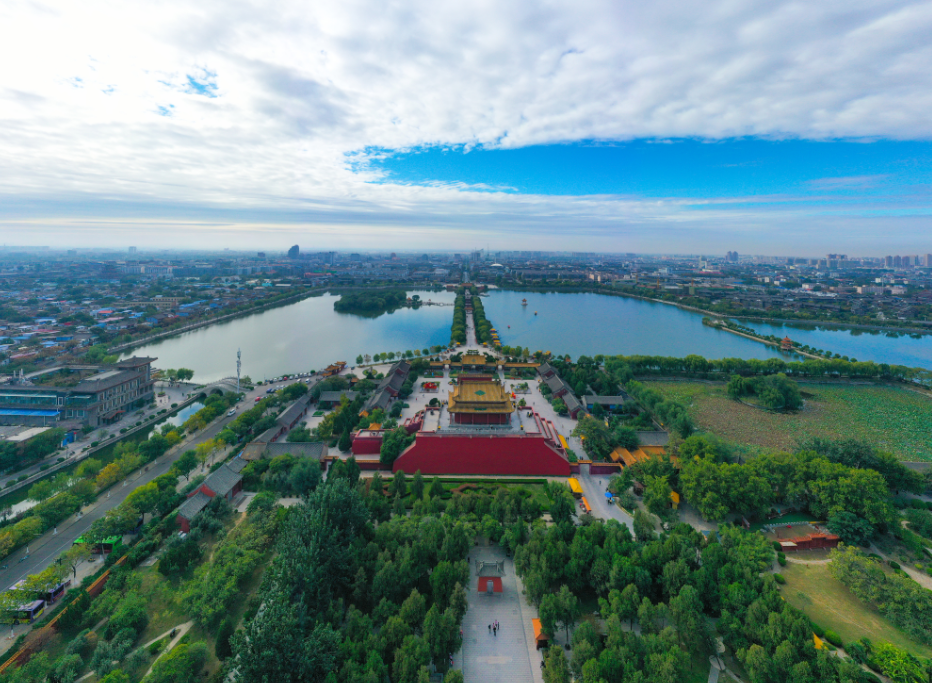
892	419
825	600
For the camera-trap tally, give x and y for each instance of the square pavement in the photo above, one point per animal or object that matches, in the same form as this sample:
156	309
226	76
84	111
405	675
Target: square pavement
510	656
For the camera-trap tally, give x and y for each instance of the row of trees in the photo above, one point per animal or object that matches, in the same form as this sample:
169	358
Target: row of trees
458	330
482	324
66	494
697	366
392	355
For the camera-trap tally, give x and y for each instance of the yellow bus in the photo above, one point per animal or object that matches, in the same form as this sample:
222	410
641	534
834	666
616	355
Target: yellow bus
586	507
575	488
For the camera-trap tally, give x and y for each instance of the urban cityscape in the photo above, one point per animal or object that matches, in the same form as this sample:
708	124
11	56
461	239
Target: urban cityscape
425	342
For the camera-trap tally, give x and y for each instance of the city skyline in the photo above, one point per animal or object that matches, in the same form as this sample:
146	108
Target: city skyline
790	129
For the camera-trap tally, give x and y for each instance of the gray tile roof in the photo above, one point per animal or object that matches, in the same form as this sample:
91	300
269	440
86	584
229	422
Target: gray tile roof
223	480
605	400
653	438
237	465
315	450
334	396
572	403
193	505
556	384
294	411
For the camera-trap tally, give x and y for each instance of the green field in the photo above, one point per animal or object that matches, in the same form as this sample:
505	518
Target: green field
812	589
891	419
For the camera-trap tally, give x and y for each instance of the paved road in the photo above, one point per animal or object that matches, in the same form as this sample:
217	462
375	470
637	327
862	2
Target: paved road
45	549
173	395
595	494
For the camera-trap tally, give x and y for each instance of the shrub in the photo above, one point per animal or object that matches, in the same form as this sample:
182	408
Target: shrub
894	564
833	638
818	630
777	547
779	578
781	559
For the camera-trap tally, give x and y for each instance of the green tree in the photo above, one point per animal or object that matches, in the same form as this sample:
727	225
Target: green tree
568	605
657	495
417	485
556	668
224	645
345	443
898	664
399	486
561	504
643	526
850	528
410	657
185	464
74	556
393	444
436	488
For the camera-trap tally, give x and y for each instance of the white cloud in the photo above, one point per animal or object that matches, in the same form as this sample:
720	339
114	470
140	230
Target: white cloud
255	106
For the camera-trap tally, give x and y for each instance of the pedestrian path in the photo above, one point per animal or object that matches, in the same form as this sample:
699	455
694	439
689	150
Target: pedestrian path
501	658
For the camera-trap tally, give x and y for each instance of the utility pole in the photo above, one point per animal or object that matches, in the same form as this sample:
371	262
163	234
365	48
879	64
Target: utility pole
239	364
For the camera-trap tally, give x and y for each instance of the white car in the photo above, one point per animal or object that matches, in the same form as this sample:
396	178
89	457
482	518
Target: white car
232	412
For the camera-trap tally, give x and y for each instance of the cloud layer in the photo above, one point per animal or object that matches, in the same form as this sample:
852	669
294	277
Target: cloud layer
176	108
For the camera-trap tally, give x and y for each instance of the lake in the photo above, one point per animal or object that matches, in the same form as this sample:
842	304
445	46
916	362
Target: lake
588	324
895	348
307	335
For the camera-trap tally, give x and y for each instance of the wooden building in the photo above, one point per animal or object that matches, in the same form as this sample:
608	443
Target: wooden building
480	403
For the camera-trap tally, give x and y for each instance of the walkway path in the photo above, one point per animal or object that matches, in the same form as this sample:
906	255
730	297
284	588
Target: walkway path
510	656
595	494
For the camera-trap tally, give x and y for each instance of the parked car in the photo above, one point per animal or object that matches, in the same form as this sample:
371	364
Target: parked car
232	412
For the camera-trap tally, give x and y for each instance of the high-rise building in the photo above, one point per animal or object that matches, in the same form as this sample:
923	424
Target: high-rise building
887	261
928	262
132	250
897	261
294	251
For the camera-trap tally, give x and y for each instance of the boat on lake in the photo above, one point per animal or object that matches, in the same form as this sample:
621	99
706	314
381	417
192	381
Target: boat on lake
524	302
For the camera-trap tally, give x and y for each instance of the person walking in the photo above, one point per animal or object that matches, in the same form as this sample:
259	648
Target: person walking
490	628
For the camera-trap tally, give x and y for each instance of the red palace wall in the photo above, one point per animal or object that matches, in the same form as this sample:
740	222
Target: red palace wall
368	443
480	419
512	454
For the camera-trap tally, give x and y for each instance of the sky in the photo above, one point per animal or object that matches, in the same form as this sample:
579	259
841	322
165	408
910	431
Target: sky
794	128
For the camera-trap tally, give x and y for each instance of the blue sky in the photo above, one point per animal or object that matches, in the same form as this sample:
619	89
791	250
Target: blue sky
613	125
748	167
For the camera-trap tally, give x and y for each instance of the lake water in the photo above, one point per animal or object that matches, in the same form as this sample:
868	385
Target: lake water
308	335
584	323
883	347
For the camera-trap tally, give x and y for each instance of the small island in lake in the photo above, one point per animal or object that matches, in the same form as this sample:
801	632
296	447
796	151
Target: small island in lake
372	303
